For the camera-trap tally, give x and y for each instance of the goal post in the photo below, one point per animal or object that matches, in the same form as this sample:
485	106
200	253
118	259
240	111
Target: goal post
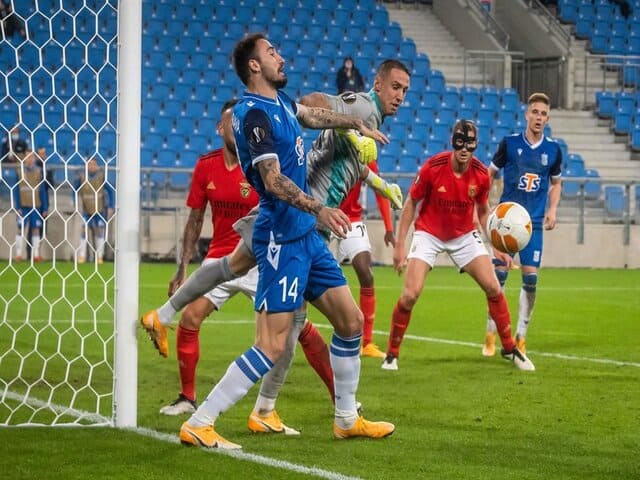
70	81
127	258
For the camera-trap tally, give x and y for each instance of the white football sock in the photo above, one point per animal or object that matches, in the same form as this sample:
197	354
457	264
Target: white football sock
166	313
232	387
345	362
19	245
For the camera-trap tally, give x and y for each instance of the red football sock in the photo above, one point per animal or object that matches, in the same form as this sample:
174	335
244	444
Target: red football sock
368	307
317	353
188	347
399	323
499	311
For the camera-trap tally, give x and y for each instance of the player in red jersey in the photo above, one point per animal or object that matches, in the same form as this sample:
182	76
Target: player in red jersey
447	189
356	249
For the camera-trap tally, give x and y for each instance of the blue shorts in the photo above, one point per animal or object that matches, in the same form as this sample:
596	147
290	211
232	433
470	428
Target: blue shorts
97	220
29	217
531	255
293	271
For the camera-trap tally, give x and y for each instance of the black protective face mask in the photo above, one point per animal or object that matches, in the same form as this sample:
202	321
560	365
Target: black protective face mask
460	141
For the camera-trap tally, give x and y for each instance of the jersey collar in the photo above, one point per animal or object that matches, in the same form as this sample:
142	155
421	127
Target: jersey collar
376	100
532	145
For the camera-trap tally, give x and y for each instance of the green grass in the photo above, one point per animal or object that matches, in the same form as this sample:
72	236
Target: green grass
458	415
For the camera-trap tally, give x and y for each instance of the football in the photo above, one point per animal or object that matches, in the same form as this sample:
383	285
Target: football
509	227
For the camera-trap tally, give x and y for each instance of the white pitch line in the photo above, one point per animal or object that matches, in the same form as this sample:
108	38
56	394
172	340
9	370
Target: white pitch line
561	356
445	341
99	420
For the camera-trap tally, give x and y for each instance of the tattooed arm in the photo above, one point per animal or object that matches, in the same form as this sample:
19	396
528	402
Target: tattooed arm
190	236
322	118
282	187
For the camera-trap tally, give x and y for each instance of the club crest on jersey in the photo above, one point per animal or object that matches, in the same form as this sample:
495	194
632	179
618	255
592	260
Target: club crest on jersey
300	150
348	97
544	159
245	189
473	189
519	151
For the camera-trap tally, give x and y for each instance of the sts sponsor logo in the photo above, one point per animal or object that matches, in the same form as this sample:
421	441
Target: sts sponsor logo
529	182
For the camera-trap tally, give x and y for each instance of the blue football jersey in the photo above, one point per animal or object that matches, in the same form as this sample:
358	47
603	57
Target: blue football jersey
266	128
527	171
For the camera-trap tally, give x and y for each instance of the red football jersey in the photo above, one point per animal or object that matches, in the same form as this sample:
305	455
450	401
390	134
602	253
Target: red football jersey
448	200
229	194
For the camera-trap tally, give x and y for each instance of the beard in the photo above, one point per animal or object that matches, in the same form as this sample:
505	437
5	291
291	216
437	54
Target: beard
278	83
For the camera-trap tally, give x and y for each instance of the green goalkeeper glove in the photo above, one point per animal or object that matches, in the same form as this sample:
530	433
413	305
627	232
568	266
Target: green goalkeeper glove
391	191
366	146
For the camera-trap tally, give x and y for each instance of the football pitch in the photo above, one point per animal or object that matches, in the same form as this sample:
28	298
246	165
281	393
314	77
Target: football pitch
457	414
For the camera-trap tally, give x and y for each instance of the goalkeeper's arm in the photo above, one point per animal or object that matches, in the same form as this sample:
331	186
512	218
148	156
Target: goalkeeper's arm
388	190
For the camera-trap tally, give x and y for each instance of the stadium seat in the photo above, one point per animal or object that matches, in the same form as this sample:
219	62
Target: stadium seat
451	97
614	203
489	98
575	163
470	97
437	81
621	122
605	102
509	99
592	190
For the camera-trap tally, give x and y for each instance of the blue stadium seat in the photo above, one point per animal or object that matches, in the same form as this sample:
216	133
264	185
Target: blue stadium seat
622	122
614	202
393	33
605	102
575	163
470	97
436	81
451	97
509	99
489	98
421	64
408	50
592	190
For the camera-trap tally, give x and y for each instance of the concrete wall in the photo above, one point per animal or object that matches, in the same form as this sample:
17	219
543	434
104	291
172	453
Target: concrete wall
464	24
603	244
527	32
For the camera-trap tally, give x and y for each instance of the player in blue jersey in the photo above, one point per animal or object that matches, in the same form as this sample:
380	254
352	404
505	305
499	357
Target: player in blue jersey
531	165
294	263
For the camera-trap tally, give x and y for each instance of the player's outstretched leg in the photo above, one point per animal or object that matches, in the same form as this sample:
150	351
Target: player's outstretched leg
157	331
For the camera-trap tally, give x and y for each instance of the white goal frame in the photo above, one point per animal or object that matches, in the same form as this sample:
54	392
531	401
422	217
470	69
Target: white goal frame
122	286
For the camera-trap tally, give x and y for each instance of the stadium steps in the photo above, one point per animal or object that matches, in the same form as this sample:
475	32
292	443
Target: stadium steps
597	78
597	144
445	52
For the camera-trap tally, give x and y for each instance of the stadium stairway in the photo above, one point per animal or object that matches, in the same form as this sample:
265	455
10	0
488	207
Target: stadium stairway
445	52
597	145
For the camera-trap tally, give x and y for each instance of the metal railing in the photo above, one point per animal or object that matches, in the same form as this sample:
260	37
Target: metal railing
542	75
497	67
554	26
491	26
617	66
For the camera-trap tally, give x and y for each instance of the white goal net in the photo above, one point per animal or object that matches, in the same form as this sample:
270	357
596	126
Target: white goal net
59	245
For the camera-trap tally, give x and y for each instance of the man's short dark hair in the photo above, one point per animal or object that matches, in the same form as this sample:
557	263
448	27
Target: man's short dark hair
243	52
388	65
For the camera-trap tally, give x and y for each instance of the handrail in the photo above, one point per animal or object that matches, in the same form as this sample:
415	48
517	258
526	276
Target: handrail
608	63
554	24
491	25
491	56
